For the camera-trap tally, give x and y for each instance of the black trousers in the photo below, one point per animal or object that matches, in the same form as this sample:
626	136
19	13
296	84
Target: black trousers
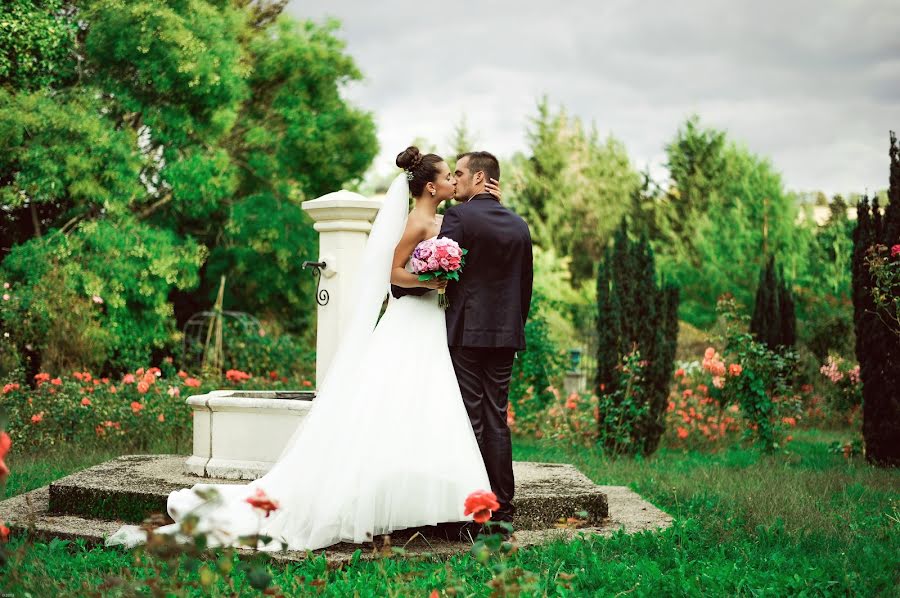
483	375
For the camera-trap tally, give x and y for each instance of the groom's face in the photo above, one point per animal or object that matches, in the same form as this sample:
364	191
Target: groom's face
464	182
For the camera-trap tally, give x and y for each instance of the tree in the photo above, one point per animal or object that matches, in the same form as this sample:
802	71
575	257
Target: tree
636	313
774	322
725	209
162	144
572	188
877	346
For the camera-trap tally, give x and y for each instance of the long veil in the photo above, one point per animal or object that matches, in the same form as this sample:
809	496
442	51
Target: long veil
373	279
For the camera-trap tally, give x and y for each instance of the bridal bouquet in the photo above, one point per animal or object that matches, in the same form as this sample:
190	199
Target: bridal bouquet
438	258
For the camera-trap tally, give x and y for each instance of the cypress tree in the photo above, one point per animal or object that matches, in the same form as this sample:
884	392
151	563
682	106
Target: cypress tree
774	320
635	312
877	346
608	328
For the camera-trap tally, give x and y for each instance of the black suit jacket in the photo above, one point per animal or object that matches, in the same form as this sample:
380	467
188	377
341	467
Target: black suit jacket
490	303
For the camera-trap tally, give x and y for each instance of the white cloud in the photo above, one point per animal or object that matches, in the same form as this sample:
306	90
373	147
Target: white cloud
814	85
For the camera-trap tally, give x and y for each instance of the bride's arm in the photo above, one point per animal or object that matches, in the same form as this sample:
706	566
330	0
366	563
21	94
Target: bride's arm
415	233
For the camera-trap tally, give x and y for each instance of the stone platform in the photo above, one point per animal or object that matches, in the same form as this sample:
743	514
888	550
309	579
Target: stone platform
93	503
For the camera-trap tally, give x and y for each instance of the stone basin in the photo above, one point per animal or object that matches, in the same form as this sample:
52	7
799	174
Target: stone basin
239	434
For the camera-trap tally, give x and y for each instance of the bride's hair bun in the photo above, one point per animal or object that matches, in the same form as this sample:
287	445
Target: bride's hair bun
420	168
409	159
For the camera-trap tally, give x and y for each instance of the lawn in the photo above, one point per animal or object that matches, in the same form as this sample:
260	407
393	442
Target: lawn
806	521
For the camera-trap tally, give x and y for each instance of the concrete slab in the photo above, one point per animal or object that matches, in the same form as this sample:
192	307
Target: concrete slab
133	486
147	479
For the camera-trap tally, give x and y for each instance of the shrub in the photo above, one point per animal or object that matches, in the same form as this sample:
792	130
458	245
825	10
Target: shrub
537	369
774	322
842	383
635	314
762	382
133	410
877	345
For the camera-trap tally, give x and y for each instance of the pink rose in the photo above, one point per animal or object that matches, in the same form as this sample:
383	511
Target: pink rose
418	265
432	264
445	263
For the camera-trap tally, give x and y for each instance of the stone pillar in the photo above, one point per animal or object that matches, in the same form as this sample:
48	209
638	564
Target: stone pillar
343	220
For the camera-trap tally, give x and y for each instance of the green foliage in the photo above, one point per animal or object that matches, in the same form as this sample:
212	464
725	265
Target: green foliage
622	410
877	345
765	379
567	308
133	412
774	322
572	189
120	303
538	368
194	130
884	265
275	356
37	42
726	208
635	313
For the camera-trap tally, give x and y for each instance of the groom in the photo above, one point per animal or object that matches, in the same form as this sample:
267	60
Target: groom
487	313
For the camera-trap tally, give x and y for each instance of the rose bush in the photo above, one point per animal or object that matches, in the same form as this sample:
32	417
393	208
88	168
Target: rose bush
134	409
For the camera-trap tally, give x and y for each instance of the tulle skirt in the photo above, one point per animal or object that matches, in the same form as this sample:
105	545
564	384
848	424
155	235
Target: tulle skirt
388	448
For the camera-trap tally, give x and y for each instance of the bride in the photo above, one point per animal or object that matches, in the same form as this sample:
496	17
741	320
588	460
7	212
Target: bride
387	444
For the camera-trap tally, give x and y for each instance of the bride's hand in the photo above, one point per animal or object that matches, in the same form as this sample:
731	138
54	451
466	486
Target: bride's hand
435	284
493	187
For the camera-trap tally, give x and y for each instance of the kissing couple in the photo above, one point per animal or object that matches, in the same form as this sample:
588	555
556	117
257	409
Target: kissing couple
411	417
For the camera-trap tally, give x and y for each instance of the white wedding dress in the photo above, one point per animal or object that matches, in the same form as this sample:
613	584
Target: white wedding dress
387	444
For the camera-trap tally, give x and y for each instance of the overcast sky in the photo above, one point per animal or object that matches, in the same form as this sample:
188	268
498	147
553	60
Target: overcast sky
812	84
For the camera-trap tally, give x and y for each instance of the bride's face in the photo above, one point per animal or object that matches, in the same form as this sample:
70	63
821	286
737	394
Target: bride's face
444	183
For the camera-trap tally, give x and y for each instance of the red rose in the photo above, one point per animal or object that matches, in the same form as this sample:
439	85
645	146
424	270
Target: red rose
5	444
480	504
192	382
895	250
236	376
4	533
262	502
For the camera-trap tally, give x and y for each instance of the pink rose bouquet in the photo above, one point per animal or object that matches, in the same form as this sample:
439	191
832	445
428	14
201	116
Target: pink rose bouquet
438	258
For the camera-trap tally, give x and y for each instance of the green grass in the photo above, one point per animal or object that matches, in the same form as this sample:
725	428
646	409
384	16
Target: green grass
804	522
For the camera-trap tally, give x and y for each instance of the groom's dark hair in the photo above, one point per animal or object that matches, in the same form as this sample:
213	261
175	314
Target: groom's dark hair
484	161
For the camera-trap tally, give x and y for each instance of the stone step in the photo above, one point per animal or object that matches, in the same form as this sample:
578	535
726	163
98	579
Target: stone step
132	487
29	513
